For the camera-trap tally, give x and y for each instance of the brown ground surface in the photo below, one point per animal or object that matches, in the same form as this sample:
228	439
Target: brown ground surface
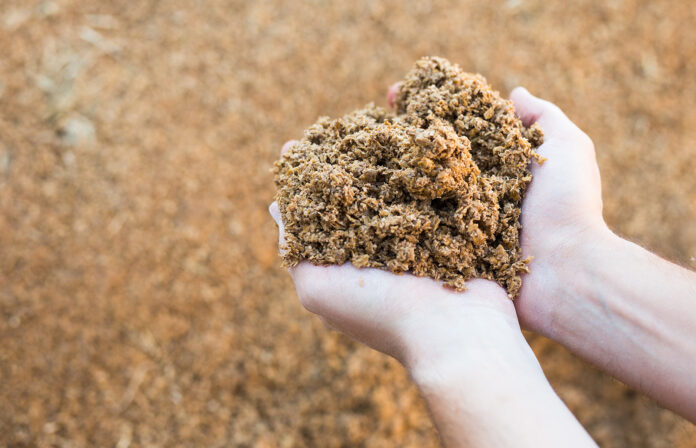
141	299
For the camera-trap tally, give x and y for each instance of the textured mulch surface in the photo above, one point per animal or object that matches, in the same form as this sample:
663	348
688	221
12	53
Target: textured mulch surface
141	298
434	189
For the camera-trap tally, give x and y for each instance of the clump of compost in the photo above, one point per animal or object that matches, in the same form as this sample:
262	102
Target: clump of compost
434	189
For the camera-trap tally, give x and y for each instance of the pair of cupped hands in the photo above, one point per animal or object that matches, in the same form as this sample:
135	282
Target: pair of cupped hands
421	323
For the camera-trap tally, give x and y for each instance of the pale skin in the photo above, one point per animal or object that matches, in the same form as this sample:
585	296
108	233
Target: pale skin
613	303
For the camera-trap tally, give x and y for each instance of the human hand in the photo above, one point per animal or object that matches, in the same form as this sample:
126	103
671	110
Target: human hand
561	211
610	301
414	319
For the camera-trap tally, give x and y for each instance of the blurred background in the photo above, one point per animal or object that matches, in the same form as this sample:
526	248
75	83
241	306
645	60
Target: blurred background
141	298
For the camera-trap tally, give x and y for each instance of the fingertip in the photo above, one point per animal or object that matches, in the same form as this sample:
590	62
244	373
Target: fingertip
392	93
524	105
287	146
274	211
304	276
518	92
531	109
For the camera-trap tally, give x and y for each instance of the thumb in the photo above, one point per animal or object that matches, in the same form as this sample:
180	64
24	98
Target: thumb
547	115
275	214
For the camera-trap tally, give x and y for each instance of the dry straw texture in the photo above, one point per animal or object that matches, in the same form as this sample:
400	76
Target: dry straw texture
434	190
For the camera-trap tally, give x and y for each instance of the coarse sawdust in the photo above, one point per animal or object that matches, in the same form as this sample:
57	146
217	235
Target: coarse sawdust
434	189
141	298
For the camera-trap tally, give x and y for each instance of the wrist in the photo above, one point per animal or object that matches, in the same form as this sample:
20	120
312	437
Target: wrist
582	298
484	347
477	373
566	273
486	380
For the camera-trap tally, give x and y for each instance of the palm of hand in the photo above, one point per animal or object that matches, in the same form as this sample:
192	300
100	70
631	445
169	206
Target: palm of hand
389	312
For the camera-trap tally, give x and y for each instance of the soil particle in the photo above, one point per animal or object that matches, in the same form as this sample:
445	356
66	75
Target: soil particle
434	189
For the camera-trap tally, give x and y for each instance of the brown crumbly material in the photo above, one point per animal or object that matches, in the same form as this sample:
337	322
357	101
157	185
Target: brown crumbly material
141	298
434	190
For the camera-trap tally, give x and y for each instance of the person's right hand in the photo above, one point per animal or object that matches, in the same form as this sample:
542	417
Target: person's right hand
561	211
611	302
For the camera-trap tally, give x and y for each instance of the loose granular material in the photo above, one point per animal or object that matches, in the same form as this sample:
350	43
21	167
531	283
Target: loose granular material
434	189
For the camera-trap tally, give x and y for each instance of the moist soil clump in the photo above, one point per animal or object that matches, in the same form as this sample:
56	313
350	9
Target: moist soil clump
434	189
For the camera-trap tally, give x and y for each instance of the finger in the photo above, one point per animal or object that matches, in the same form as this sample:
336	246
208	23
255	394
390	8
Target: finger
287	146
306	276
550	117
339	292
392	92
275	214
273	208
